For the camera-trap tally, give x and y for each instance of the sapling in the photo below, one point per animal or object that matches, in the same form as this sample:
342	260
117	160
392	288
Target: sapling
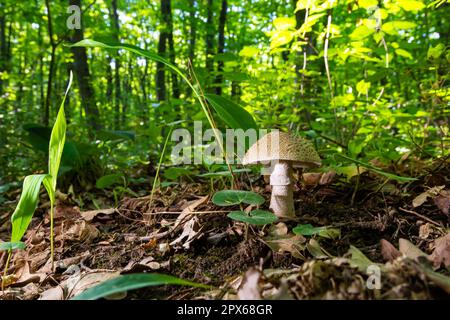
28	201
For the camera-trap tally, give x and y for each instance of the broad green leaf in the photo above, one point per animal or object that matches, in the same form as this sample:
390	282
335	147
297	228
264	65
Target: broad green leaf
109	180
392	27
284	23
309	230
133	281
363	87
231	113
249	52
234	197
410	5
7	246
24	211
379	171
435	52
174	173
57	140
280	38
256	217
366	4
361	32
403	53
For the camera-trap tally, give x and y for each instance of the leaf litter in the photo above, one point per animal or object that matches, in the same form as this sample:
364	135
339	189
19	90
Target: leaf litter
185	235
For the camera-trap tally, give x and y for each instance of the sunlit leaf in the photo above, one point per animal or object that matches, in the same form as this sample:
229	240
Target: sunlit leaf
28	201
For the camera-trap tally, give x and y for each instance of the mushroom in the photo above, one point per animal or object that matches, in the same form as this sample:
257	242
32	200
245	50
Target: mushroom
283	151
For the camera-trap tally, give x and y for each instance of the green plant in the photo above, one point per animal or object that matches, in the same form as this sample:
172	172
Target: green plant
28	201
229	111
238	197
131	282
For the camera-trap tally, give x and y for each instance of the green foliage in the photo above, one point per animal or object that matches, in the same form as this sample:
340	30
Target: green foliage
24	211
109	180
231	113
9	246
256	217
309	230
235	197
133	281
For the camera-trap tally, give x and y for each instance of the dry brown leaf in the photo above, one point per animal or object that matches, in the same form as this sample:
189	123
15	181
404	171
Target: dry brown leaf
388	251
441	253
89	215
311	178
292	244
442	201
188	209
191	231
81	231
250	288
76	284
422	198
327	177
425	230
278	230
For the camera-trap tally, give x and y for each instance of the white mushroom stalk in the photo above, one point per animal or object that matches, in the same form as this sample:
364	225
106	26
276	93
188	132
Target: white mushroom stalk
282	200
284	151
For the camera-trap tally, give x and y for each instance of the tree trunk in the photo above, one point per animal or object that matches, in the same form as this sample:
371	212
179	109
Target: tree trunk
117	63
81	71
209	42
51	70
163	37
192	38
221	45
172	54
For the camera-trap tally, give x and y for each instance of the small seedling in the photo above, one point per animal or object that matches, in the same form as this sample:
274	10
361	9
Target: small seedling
238	197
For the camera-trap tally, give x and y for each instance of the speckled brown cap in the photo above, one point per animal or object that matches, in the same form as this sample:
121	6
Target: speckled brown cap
283	146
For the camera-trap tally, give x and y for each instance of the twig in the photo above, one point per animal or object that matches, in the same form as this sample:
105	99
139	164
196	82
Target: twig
421	216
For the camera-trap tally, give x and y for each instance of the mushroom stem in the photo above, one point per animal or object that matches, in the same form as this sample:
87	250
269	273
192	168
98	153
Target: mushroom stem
281	201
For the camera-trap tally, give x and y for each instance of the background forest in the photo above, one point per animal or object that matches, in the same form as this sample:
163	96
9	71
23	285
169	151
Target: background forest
366	81
359	77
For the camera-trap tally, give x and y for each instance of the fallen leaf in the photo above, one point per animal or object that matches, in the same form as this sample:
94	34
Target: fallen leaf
81	231
442	201
388	251
425	230
316	250
278	230
410	250
191	231
250	288
327	177
441	253
292	244
422	198
188	209
89	215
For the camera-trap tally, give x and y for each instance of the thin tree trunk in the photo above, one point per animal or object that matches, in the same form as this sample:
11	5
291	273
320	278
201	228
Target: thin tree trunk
172	54
81	70
192	37
221	45
117	63
209	41
52	65
163	35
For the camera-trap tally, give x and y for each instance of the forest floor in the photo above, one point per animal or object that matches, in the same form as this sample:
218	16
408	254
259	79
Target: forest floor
398	230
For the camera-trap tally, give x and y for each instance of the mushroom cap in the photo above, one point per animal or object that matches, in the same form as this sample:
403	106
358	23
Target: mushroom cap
282	146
